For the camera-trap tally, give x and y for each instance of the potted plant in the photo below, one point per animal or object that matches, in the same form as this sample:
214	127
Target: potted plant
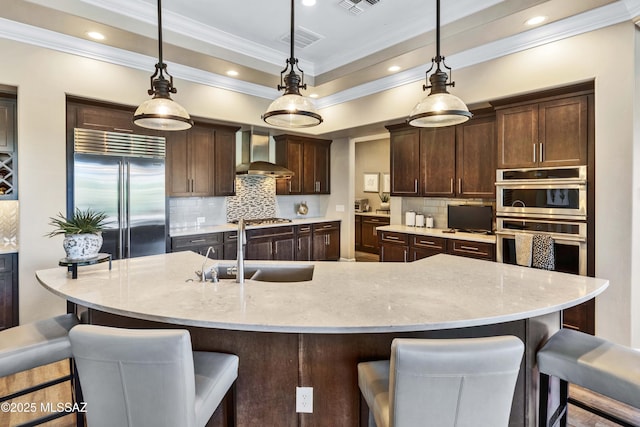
82	233
384	199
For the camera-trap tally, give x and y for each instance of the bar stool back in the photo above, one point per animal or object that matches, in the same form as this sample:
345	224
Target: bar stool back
150	377
443	382
37	344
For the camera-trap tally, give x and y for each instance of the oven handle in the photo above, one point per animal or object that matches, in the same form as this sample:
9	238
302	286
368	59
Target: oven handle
539	183
560	238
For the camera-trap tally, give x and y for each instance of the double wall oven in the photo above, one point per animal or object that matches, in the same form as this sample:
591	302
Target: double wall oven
551	201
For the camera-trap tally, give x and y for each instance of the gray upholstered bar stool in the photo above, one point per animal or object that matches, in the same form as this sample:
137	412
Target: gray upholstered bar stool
442	382
150	377
574	357
37	344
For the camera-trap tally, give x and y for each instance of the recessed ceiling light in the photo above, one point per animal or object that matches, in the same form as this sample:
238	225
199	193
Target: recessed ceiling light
393	68
232	73
308	2
95	35
536	20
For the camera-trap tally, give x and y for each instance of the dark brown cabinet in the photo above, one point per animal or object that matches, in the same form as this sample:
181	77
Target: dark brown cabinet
8	290
403	247
273	243
470	249
550	133
200	243
304	243
201	162
444	162
366	233
309	159
107	118
326	241
405	161
394	247
425	246
476	158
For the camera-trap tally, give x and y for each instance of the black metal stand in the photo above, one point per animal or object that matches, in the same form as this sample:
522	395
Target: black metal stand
72	265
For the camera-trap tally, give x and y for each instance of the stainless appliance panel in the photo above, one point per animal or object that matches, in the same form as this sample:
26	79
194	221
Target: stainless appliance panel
132	193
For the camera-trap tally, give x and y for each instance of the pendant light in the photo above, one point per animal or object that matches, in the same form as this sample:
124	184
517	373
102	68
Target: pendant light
292	110
161	112
439	108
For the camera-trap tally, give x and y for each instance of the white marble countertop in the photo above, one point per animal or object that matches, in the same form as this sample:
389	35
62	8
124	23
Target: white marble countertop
439	232
8	248
443	291
377	214
188	231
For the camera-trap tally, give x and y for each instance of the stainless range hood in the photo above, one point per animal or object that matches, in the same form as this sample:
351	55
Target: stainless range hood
255	157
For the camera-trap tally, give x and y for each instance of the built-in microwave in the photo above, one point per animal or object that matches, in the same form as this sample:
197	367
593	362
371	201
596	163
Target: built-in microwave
559	192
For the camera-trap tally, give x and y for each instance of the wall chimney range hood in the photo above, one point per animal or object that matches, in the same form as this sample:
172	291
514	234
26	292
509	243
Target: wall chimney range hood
255	157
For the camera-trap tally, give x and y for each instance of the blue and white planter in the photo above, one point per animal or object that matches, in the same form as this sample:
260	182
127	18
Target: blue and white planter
81	247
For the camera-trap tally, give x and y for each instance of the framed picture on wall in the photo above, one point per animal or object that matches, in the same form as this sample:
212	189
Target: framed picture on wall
371	182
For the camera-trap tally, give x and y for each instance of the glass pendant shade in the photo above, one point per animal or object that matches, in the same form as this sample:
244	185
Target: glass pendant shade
438	110
162	114
292	110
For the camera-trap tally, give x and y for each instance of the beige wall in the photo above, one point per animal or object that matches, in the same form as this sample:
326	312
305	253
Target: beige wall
371	156
43	78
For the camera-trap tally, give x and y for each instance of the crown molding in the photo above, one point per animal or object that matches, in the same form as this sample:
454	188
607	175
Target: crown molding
611	14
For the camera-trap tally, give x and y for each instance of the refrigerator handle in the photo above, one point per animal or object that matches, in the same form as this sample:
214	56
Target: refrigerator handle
127	203
120	244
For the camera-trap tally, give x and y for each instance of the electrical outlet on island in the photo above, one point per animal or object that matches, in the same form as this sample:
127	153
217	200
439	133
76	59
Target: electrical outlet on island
304	400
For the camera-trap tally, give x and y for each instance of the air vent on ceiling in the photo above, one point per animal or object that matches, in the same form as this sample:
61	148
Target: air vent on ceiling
355	6
302	38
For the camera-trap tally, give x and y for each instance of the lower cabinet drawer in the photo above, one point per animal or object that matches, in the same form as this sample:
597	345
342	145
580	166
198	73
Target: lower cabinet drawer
393	237
428	242
188	242
472	249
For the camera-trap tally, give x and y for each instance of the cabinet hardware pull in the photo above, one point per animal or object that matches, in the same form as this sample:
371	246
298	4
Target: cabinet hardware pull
392	237
289	186
328	239
197	240
469	248
123	130
299	244
451	185
459	185
534	152
415	185
541	152
405	255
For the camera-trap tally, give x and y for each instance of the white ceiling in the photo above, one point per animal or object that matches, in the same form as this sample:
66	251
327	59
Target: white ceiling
205	38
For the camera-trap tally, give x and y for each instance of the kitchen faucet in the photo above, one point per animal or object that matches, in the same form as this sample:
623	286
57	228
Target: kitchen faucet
242	241
214	269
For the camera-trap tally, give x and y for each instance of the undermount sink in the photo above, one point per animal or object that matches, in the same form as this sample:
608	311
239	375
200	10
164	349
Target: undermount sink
272	273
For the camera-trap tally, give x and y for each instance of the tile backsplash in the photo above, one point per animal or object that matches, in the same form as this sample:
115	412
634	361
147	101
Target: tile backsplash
255	198
9	222
437	207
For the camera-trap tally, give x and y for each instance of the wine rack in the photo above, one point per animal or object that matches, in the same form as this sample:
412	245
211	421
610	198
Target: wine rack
7	176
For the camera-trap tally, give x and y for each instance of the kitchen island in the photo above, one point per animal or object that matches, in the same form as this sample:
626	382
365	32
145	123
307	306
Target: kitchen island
313	333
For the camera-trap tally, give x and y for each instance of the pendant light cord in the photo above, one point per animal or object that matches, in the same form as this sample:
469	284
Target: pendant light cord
292	58
160	62
438	57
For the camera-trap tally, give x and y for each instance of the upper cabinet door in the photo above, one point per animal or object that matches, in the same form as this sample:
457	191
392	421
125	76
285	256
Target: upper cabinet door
309	159
405	162
225	160
438	161
201	150
562	135
517	136
476	158
7	125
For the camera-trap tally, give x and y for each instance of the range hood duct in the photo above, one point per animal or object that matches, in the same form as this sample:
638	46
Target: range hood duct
255	157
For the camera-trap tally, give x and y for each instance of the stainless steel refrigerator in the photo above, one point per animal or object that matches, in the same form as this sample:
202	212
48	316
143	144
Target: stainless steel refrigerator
124	176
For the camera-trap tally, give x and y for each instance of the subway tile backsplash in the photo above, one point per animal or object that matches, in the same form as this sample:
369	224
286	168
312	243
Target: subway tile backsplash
437	207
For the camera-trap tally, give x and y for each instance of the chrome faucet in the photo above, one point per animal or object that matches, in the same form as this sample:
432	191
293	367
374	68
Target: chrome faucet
242	241
214	270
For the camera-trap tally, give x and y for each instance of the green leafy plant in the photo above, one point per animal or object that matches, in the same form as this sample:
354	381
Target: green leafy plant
384	197
82	221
